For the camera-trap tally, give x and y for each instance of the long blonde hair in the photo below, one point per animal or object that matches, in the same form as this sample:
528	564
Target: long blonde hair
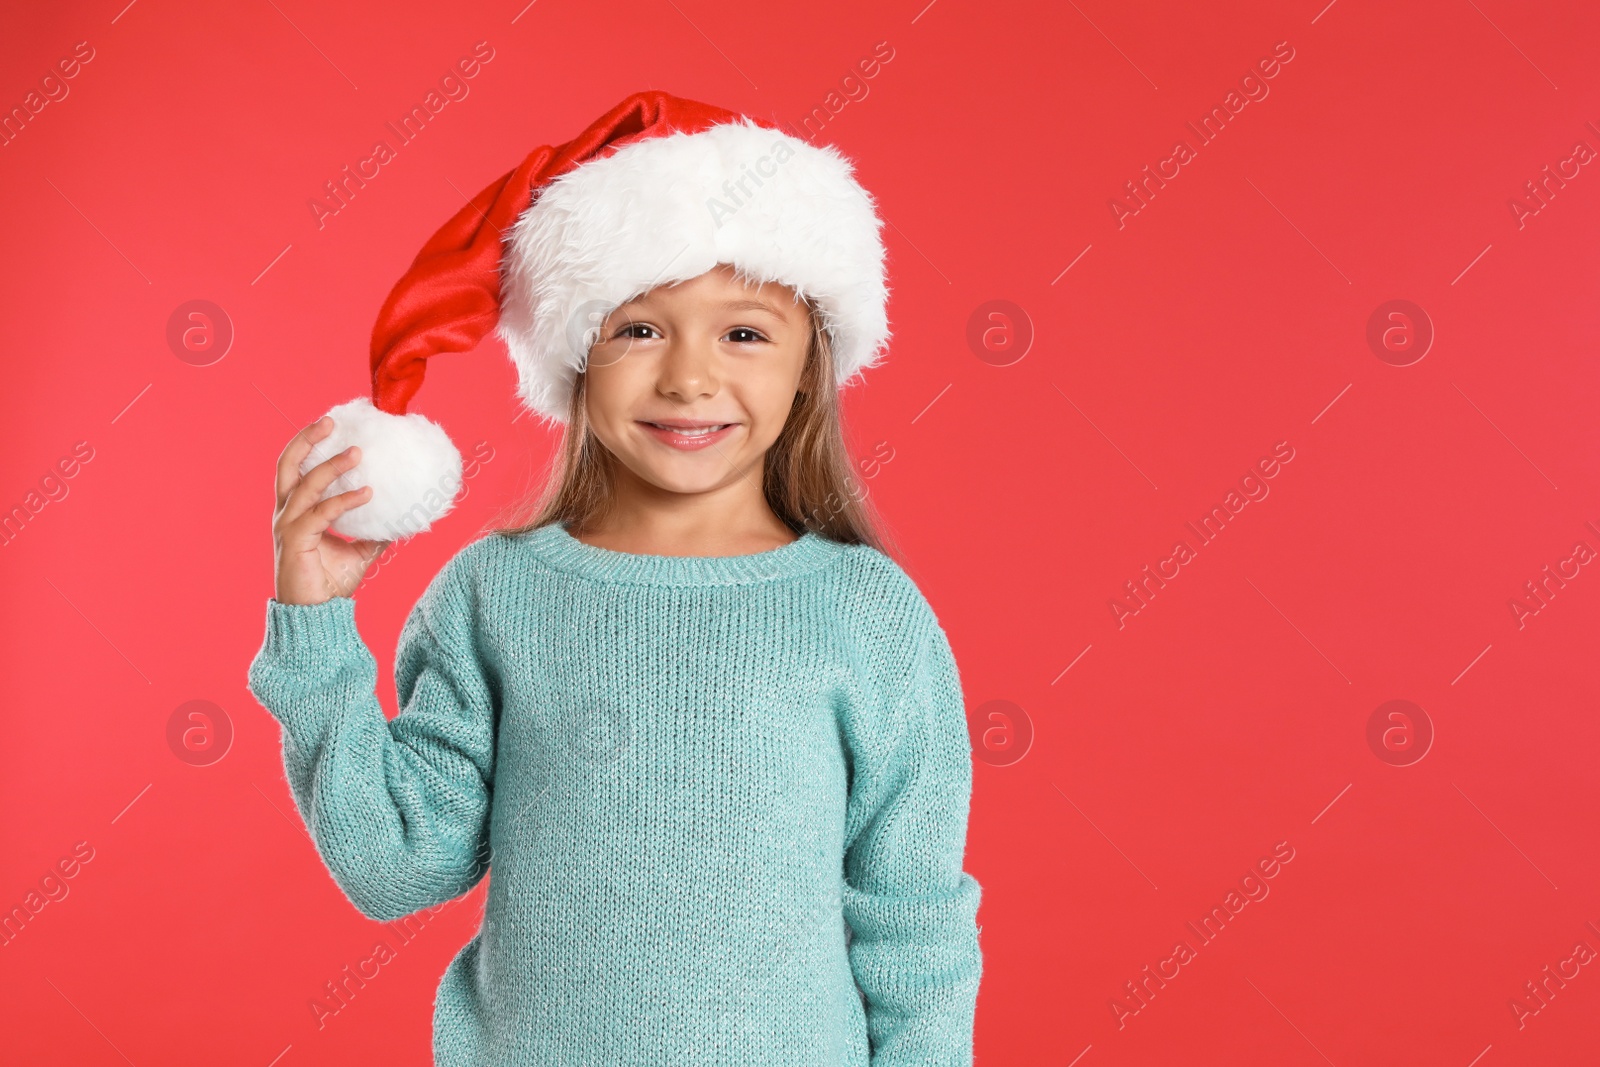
806	475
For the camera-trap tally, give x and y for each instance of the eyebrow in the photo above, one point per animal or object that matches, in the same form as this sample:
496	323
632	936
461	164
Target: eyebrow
746	304
752	305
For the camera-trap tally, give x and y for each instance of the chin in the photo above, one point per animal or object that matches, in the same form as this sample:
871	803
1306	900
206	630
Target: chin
696	476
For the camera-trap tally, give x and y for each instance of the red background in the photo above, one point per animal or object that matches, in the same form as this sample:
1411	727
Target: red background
1229	314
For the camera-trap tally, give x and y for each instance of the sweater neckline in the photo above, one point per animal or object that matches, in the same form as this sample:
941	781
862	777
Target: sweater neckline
564	552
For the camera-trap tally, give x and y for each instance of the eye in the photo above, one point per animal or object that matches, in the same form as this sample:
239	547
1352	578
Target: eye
627	331
753	335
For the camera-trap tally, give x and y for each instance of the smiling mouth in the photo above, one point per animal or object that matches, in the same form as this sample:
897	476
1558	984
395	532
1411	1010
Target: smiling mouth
691	431
688	436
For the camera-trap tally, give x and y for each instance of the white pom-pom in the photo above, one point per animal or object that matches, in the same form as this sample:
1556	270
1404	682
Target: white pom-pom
411	464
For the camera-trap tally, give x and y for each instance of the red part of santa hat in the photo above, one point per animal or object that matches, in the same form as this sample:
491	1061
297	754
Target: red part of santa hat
659	189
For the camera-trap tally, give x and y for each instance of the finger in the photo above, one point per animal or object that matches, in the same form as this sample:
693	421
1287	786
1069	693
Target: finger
317	480
295	452
311	525
305	532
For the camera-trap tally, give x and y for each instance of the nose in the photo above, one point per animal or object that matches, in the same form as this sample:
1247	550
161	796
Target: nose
687	371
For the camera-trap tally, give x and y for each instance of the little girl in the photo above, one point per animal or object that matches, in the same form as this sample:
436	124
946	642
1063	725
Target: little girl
708	737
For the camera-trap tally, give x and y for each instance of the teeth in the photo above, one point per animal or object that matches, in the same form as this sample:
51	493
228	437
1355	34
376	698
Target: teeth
686	432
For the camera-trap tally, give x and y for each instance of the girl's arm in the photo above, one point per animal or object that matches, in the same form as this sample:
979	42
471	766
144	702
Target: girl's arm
398	809
911	909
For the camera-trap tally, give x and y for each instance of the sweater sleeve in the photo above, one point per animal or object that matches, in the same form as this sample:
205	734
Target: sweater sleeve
910	906
399	810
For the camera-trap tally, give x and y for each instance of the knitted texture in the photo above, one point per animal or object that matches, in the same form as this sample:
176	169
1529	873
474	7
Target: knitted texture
724	800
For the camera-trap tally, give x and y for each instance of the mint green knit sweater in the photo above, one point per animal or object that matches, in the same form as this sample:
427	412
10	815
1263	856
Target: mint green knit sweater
724	801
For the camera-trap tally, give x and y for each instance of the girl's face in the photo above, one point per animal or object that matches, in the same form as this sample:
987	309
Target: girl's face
691	383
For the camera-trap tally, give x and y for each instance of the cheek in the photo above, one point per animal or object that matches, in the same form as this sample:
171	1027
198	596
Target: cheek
605	410
769	395
611	391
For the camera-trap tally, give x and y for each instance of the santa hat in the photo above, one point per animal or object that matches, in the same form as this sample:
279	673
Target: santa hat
658	190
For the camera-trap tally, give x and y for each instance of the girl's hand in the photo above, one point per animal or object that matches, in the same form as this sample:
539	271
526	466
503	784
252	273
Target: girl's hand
313	565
